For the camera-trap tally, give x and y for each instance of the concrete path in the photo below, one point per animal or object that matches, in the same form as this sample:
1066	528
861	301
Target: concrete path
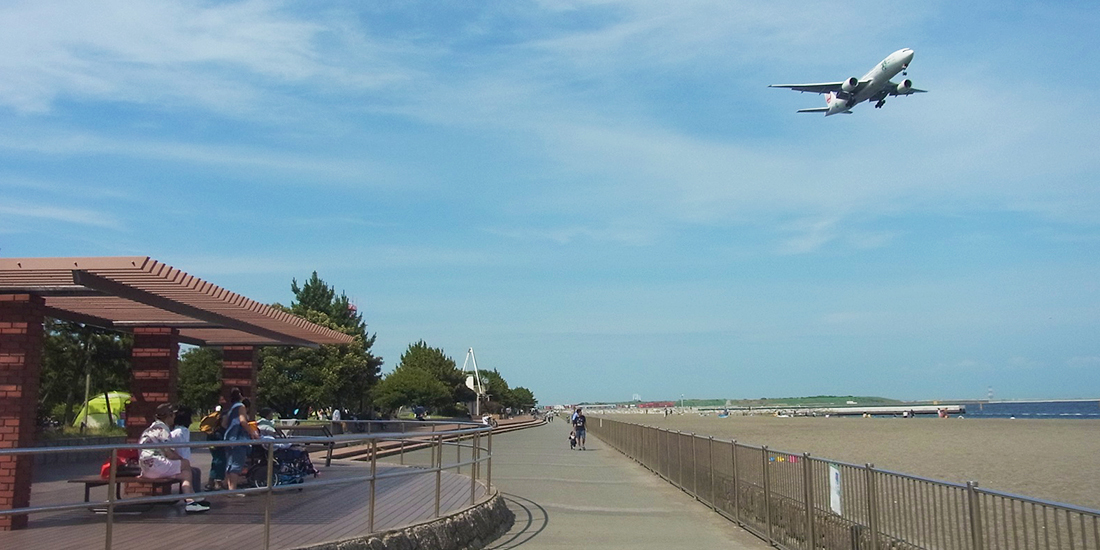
597	498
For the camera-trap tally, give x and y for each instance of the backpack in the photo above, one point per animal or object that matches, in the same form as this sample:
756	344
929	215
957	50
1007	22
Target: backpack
211	425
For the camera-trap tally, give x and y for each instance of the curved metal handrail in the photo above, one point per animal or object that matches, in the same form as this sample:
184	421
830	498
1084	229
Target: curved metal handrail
435	439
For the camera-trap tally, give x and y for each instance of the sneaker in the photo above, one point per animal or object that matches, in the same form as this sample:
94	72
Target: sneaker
196	507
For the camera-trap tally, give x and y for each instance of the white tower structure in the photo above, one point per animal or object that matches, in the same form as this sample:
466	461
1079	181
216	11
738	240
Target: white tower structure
473	381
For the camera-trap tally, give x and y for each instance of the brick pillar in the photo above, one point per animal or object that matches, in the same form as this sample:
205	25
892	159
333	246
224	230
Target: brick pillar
239	366
155	358
21	340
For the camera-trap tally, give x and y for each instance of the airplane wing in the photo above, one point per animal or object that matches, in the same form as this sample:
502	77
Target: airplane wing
818	88
892	89
822	88
814	110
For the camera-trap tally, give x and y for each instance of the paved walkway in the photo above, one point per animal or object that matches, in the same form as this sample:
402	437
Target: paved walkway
597	498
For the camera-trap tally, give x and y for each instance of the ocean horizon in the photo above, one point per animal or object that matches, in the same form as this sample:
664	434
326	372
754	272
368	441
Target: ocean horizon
1083	409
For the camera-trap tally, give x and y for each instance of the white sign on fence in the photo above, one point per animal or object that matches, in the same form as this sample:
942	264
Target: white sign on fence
834	489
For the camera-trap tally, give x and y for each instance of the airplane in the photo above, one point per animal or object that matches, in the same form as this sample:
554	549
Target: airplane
840	97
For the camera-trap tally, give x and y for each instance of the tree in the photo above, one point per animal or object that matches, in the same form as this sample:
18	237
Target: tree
409	386
523	398
500	396
442	368
73	352
339	375
199	379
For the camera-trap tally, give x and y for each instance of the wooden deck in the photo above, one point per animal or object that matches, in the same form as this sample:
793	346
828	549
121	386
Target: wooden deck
299	518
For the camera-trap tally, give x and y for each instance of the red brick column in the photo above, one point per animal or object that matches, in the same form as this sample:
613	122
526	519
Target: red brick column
155	358
21	343
239	366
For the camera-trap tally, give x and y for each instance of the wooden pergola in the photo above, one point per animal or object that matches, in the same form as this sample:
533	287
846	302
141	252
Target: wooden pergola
160	305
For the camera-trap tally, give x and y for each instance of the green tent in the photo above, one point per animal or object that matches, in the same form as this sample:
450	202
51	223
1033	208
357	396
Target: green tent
97	410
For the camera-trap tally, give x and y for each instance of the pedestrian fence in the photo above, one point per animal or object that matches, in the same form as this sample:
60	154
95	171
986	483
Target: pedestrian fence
795	501
469	443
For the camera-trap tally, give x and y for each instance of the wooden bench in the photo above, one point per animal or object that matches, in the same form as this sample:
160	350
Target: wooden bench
97	481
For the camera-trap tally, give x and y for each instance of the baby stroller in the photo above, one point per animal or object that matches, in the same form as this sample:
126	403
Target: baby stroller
292	465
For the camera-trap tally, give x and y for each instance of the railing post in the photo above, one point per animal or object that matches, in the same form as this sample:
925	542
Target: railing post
973	501
270	494
373	482
694	468
402	453
680	459
438	472
710	468
458	454
767	493
736	483
872	506
475	456
489	466
660	467
111	488
808	496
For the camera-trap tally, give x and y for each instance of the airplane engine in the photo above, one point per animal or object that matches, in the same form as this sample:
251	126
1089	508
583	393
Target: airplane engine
905	86
850	85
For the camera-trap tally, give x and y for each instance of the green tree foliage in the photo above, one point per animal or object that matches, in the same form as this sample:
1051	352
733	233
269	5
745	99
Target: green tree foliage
199	379
332	376
523	398
70	352
439	368
442	368
410	386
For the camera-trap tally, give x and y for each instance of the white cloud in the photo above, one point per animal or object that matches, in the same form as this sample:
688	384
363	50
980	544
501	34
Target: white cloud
270	163
16	209
216	56
1084	362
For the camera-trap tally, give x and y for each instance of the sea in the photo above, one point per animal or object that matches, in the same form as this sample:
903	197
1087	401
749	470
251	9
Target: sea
1035	409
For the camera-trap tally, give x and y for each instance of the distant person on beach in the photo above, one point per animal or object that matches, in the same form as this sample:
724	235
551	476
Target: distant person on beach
579	423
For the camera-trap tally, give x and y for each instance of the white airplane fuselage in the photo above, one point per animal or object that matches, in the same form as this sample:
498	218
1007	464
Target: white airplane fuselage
876	79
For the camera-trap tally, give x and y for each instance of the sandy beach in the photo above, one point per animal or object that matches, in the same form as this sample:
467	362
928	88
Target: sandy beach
1050	459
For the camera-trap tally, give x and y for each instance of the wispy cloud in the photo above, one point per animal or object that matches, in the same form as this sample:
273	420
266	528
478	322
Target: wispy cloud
214	56
16	209
275	165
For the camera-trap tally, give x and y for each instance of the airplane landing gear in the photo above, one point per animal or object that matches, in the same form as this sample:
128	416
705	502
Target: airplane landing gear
880	103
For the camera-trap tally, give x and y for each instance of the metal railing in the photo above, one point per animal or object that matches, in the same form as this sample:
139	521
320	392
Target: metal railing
431	435
795	501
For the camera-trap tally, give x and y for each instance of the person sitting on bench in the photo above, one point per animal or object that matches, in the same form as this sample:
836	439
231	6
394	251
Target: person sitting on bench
181	433
165	463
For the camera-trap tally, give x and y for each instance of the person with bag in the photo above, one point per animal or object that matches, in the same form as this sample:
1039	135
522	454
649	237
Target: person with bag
211	425
235	422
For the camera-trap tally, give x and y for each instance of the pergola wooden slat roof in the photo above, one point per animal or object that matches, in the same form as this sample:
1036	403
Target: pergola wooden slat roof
126	292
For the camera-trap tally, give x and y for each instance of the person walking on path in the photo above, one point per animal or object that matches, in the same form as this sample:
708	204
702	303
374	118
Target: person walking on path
598	499
579	423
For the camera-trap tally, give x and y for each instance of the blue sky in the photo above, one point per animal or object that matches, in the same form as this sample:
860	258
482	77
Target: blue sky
603	198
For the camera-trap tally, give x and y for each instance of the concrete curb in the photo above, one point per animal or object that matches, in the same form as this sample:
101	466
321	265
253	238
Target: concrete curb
469	529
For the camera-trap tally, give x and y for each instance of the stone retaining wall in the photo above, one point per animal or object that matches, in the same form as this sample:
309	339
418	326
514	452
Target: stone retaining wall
470	529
